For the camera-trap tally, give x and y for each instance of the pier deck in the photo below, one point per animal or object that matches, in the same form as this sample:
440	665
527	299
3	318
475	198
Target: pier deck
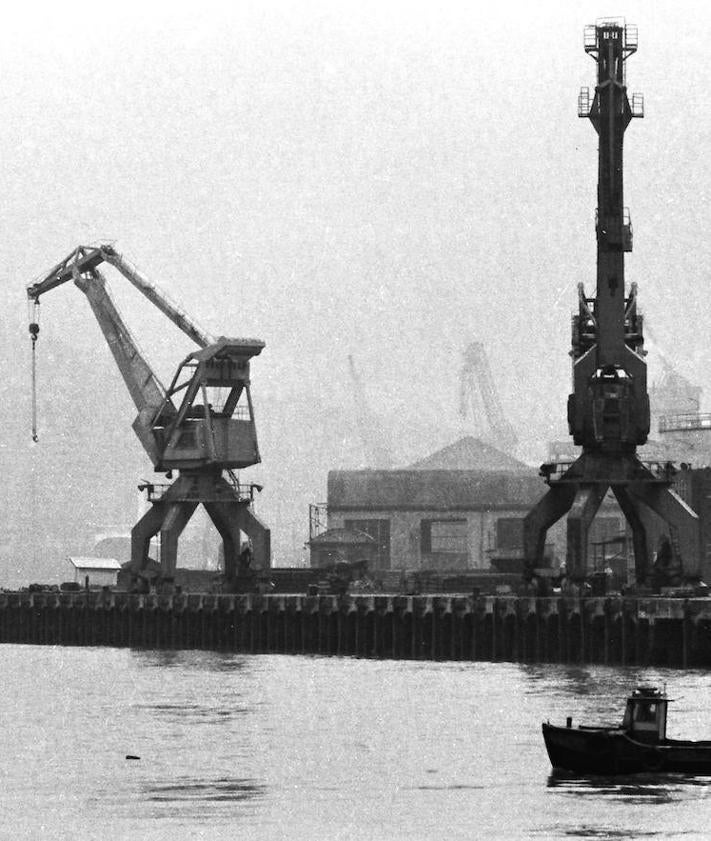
613	630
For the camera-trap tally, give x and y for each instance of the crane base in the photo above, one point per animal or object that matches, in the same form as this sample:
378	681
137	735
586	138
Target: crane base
579	492
230	512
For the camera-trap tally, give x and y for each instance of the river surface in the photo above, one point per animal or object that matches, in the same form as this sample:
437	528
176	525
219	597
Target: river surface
272	747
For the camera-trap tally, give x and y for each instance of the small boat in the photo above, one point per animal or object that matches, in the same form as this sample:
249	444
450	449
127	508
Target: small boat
638	745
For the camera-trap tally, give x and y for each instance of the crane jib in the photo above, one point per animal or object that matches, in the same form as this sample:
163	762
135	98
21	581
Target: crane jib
64	271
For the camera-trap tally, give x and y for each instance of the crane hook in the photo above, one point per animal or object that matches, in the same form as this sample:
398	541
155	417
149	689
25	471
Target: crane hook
34	333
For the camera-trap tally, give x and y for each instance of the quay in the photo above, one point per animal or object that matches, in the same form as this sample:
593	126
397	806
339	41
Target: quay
622	631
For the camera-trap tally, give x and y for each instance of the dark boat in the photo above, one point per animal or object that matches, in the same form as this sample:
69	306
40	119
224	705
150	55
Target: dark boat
638	745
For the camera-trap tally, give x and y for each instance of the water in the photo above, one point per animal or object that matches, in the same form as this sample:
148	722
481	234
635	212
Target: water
271	747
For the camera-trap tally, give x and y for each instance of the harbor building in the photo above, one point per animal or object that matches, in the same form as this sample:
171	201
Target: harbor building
461	508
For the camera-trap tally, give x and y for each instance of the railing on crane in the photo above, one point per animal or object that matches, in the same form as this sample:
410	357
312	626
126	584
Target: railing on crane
661	471
689	421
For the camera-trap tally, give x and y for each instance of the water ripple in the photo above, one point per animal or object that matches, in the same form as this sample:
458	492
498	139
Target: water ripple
188	789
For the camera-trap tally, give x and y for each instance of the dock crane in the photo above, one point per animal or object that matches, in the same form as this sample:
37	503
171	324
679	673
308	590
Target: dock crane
201	426
370	429
475	378
608	410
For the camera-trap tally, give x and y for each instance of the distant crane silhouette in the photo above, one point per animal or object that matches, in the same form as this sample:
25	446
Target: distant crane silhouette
477	389
370	430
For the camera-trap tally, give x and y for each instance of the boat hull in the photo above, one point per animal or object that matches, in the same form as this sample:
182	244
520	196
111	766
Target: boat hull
611	751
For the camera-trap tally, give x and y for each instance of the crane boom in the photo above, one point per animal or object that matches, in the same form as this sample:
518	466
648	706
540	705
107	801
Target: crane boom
371	433
143	385
193	433
146	390
158	297
84	259
476	368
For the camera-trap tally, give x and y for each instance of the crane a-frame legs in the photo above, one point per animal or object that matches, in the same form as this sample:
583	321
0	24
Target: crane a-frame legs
230	513
580	491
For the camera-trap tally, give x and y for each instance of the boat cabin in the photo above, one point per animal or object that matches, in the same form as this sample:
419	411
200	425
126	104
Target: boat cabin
646	715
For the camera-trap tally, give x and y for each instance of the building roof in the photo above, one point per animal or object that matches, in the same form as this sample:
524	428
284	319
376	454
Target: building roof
470	454
95	563
432	490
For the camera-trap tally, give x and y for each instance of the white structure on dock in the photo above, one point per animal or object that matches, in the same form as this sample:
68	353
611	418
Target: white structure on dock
95	572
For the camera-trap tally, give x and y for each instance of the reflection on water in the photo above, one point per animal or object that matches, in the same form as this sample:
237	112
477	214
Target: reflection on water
453	787
194	660
572	680
642	795
633	788
199	802
185	713
186	789
313	748
587	831
640	788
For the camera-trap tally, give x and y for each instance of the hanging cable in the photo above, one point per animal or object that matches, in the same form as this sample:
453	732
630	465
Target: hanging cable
34	333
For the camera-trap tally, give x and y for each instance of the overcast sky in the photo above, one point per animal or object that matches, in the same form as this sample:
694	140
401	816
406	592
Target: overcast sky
388	180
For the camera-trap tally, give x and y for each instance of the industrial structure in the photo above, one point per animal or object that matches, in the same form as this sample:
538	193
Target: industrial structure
461	508
682	428
626	632
478	396
446	512
468	507
370	430
608	411
202	426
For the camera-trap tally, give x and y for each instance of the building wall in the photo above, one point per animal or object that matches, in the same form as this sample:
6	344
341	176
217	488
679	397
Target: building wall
406	550
406	498
97	577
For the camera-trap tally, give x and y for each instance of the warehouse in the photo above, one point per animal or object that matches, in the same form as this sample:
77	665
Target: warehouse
437	516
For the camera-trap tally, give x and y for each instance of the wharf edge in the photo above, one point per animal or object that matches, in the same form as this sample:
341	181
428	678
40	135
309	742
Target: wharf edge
603	630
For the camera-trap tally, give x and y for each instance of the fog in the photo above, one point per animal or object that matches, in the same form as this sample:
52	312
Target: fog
388	181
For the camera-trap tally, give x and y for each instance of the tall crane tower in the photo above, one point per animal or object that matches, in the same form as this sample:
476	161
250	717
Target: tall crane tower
608	411
202	426
475	378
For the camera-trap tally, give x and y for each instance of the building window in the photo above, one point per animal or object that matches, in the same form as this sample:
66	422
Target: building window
379	530
509	533
443	544
447	537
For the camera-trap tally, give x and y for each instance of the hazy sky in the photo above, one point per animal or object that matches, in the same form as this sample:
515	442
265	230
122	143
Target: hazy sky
388	180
